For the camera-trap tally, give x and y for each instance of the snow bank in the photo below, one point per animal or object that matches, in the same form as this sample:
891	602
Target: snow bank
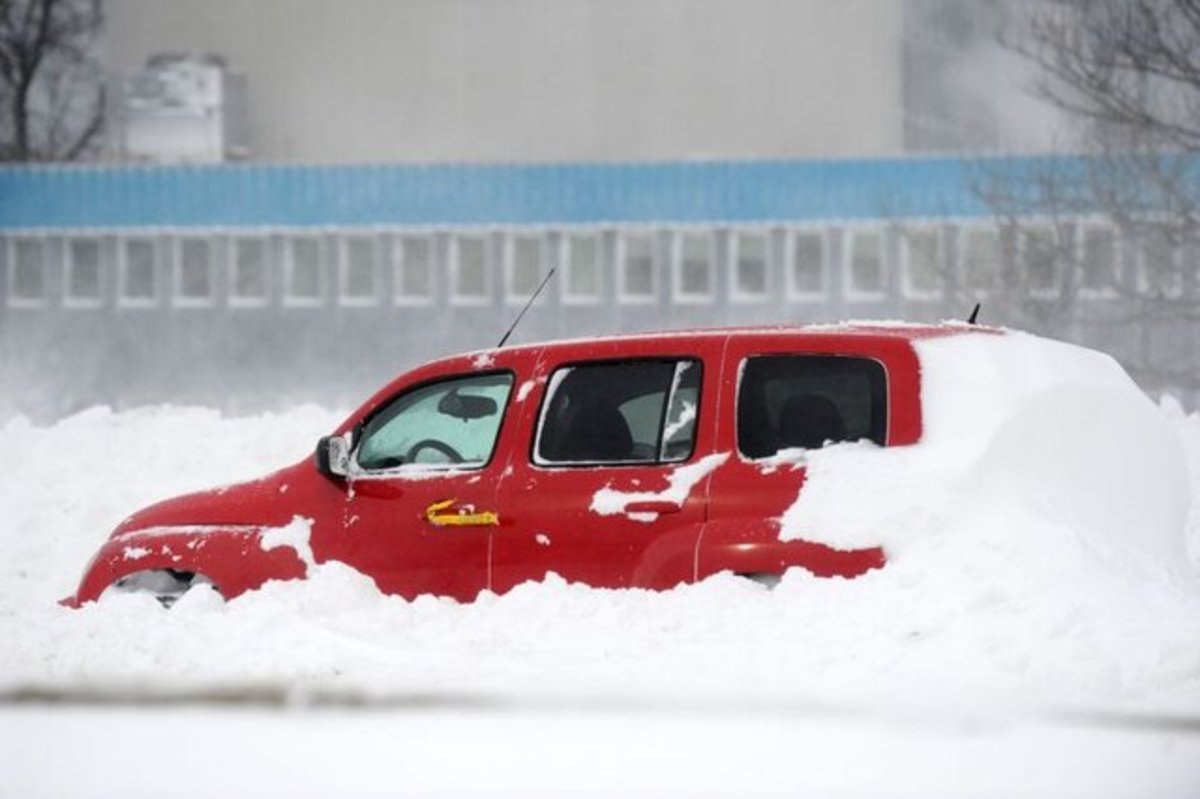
994	592
1041	432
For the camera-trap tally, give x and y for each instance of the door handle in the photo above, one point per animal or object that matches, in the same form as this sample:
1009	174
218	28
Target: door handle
653	506
436	515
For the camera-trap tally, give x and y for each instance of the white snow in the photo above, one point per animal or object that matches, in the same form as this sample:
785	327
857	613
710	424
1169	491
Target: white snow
609	501
294	535
984	659
524	389
483	360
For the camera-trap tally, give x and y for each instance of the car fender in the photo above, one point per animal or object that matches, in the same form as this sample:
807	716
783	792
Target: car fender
752	546
233	557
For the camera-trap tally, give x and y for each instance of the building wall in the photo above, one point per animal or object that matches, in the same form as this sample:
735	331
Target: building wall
542	80
255	286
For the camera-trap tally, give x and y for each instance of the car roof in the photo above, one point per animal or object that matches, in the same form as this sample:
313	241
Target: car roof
873	328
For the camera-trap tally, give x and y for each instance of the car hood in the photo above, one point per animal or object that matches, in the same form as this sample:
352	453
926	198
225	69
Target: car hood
267	501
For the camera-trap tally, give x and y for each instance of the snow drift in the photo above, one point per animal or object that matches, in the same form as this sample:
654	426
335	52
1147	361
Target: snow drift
1036	538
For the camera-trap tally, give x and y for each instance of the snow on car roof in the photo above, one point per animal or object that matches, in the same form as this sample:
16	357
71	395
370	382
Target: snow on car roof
874	327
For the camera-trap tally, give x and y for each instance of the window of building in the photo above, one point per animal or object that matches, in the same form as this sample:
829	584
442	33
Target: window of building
638	275
193	271
453	422
1098	258
922	262
791	402
303	279
1158	260
28	262
525	267
471	284
83	289
750	259
356	271
139	272
582	284
414	270
807	264
864	259
1039	259
979	259
631	412
249	264
694	268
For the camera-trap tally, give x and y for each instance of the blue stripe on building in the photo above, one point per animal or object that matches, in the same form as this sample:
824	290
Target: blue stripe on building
370	195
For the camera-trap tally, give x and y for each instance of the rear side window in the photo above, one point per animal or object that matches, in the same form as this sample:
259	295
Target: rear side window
806	401
623	412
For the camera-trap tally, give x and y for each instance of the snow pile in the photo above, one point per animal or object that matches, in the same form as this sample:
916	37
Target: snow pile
1018	427
1028	563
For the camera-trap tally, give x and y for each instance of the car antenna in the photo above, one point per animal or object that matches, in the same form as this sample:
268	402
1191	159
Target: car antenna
974	317
528	302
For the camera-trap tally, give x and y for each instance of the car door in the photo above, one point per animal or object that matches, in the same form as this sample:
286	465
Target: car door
610	490
785	398
421	494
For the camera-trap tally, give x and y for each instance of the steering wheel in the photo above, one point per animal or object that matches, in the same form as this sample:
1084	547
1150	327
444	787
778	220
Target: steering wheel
434	444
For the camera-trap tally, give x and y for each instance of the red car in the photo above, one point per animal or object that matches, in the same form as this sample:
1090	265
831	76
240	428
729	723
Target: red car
632	461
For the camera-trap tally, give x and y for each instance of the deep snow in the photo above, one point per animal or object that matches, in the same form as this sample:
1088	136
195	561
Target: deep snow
999	610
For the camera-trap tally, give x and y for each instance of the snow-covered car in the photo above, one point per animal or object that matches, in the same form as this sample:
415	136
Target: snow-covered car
660	459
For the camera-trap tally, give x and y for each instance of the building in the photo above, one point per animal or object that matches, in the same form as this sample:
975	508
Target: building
453	81
249	286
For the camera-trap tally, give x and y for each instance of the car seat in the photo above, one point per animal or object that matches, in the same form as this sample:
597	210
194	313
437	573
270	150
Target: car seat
808	421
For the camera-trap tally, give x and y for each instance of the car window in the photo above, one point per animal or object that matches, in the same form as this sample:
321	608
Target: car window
806	401
450	422
620	412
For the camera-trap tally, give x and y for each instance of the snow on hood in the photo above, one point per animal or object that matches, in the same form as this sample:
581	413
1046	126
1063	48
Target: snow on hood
1041	443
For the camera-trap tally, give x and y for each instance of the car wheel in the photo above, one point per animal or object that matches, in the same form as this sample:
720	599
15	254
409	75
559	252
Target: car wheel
770	580
165	585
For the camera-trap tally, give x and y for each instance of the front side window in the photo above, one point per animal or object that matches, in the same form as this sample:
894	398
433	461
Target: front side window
790	402
452	422
628	412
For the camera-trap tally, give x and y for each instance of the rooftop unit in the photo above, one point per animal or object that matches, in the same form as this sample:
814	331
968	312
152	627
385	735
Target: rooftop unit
184	108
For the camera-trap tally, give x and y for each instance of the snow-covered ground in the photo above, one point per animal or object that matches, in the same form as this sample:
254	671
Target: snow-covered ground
1021	659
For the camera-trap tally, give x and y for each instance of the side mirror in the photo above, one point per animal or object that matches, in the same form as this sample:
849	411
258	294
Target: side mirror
333	457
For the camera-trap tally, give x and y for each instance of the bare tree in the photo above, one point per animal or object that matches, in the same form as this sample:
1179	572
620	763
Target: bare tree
51	92
1127	73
